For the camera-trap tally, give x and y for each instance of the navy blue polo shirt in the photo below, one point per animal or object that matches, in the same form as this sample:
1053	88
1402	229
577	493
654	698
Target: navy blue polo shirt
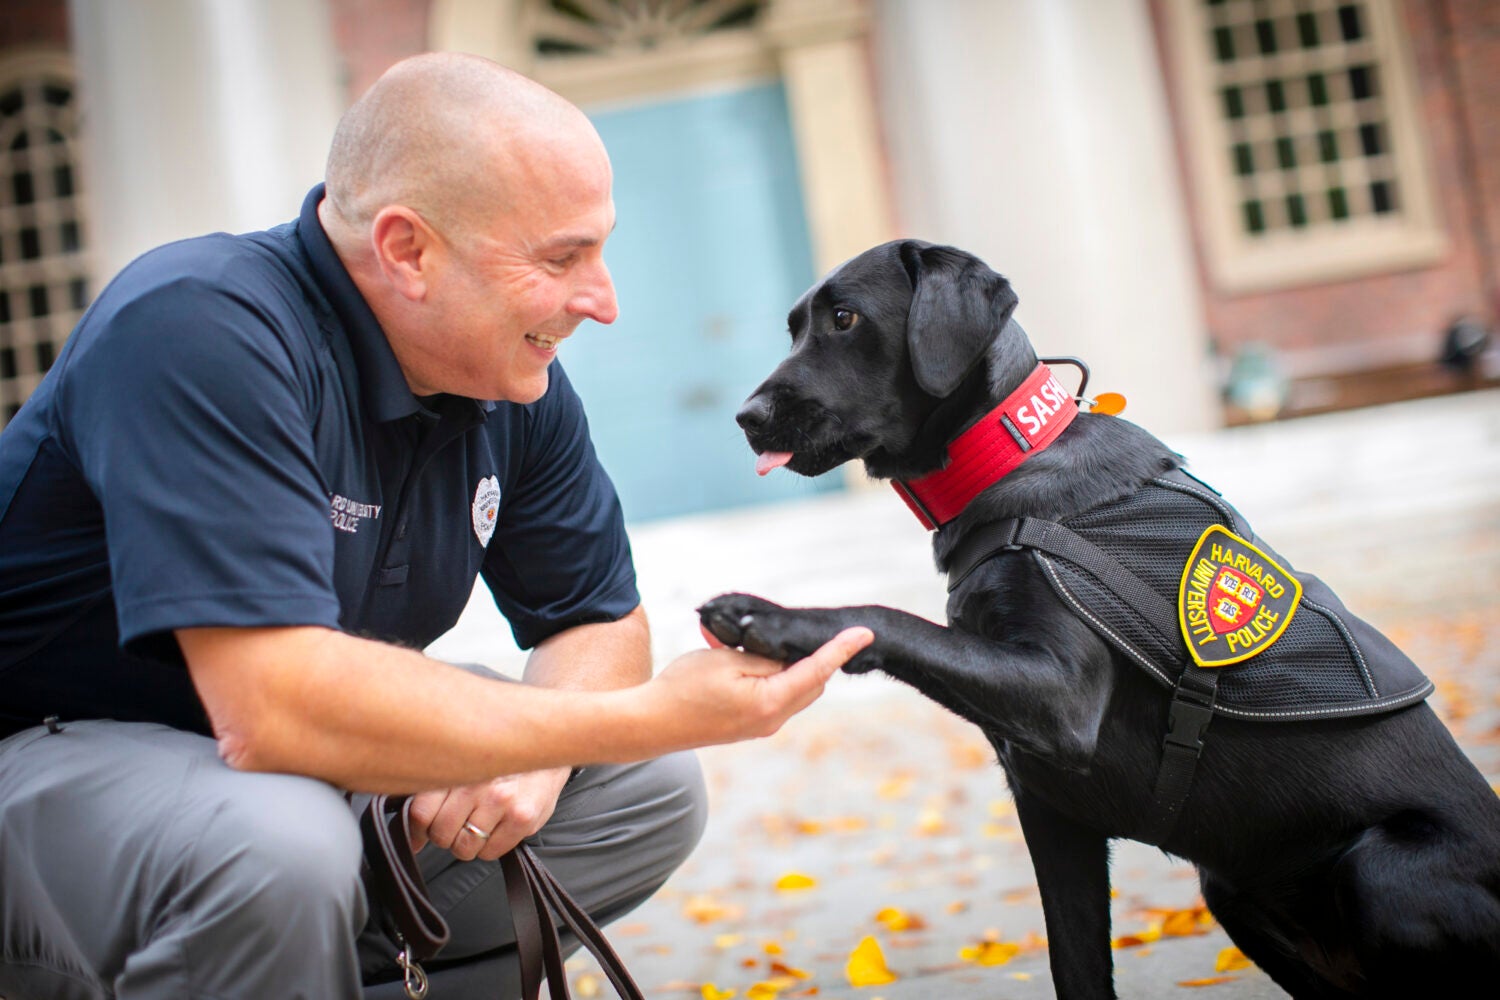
227	439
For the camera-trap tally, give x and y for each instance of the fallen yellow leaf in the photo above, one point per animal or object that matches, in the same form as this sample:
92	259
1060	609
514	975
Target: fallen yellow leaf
706	909
772	948
711	992
782	969
1231	959
1210	981
728	940
762	991
989	952
1151	933
866	965
793	881
895	919
894	787
931	822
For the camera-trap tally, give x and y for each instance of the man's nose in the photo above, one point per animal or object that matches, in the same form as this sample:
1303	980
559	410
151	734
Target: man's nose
596	299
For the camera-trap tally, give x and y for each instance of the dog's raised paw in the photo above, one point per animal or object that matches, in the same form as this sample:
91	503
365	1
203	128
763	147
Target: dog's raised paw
756	626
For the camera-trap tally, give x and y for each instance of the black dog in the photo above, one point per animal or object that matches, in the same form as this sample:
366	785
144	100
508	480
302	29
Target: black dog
1105	607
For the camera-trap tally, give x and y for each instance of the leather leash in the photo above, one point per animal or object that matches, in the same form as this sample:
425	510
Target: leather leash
396	884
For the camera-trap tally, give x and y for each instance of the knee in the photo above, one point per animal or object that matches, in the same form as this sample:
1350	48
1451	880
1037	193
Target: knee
677	784
288	845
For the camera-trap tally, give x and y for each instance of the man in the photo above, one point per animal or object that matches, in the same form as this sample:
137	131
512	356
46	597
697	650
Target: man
264	470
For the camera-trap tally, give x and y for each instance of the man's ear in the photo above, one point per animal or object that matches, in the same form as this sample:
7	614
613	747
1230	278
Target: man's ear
958	308
403	244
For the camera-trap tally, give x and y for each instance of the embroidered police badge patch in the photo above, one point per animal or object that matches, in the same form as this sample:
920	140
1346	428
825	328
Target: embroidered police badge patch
1235	601
486	508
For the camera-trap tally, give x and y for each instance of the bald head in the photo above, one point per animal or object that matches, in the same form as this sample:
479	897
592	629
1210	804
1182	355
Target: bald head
450	136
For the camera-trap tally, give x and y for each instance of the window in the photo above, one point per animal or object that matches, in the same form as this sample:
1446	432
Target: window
44	281
1303	139
566	27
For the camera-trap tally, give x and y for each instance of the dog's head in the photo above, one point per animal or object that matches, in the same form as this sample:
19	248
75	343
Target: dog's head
888	351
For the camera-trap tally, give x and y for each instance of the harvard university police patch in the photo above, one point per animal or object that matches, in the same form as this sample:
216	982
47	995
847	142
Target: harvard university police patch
1235	601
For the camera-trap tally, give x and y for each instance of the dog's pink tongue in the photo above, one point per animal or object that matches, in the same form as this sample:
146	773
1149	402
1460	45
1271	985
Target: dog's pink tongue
768	460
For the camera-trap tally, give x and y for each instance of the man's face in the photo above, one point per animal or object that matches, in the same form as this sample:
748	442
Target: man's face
511	292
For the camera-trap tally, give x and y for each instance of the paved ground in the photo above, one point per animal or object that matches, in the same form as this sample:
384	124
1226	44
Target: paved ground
893	810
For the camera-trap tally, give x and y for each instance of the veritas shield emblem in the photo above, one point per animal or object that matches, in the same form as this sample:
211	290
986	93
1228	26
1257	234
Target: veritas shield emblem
1235	600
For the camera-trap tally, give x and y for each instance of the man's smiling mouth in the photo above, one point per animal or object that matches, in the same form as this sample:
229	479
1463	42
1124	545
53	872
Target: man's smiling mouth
543	341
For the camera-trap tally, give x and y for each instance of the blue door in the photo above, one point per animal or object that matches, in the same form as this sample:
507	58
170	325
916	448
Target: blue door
709	252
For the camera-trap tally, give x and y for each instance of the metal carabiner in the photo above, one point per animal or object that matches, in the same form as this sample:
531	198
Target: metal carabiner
412	976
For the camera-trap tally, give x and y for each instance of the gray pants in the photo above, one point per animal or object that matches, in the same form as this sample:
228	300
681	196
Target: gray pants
135	864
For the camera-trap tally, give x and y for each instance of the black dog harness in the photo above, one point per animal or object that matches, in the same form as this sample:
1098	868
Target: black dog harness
1173	577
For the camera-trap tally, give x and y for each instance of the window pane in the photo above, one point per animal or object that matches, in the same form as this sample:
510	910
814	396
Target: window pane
31	243
22	187
1286	153
1349	23
1317	90
1275	95
1328	147
1234	103
1296	210
1369	139
1382	197
38	296
1338	204
1307	30
1362	82
1244	159
1224	44
1265	37
1255	221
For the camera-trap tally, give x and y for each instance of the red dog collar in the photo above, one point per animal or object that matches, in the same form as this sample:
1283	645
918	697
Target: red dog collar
1027	422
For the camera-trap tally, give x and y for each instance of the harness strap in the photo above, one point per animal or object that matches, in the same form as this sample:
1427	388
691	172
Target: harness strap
1192	703
1188	716
1057	540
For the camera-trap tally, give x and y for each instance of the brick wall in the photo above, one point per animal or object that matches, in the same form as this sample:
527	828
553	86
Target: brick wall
34	24
1457	70
370	35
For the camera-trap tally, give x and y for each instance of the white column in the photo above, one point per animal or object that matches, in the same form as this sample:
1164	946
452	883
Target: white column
1035	133
200	115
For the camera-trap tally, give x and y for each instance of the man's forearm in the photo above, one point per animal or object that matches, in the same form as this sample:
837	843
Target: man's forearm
368	716
371	717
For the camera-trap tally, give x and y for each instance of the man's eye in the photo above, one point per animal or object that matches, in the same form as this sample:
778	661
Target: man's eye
843	319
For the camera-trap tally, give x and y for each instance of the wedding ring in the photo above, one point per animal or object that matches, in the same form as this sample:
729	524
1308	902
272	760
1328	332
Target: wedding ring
476	831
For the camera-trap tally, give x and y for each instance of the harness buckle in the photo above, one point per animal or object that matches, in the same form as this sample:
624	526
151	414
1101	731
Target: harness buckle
1187	721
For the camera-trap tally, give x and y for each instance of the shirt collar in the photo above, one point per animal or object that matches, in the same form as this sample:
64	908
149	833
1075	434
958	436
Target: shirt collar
383	388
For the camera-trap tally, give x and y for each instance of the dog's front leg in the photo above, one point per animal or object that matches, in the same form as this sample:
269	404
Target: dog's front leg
1072	874
1047	702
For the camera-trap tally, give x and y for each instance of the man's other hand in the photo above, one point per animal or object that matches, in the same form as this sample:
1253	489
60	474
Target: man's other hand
486	820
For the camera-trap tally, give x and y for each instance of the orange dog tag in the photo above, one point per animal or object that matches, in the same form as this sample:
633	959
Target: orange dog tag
1108	403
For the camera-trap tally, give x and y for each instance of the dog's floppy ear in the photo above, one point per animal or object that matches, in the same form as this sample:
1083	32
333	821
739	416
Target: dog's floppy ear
958	308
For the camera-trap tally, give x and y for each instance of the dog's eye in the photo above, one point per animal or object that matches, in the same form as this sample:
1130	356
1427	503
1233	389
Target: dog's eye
843	319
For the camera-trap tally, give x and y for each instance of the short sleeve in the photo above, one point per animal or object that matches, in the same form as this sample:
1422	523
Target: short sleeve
560	556
188	417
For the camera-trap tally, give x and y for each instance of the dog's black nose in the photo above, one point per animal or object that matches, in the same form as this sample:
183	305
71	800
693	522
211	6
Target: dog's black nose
754	415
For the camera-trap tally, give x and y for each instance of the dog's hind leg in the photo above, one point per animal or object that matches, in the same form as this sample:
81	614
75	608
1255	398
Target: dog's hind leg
1423	903
1261	936
1072	873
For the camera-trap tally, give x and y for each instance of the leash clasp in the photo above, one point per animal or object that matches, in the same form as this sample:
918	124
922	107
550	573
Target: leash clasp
413	978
